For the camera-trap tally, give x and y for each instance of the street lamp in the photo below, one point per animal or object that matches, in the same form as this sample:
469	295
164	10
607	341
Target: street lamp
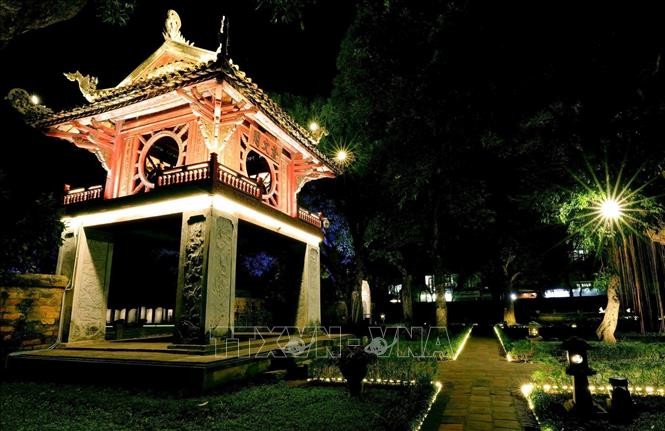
341	156
611	209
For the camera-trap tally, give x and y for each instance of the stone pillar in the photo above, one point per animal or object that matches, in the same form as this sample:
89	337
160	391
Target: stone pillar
206	277
92	274
309	302
65	266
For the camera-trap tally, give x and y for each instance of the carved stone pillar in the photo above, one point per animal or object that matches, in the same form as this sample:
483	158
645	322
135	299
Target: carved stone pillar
206	277
309	302
65	266
92	273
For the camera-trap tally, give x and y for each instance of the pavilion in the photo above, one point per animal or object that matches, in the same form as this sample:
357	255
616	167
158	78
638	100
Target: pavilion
186	137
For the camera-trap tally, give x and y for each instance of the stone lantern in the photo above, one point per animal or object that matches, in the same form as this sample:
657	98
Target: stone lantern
578	367
534	331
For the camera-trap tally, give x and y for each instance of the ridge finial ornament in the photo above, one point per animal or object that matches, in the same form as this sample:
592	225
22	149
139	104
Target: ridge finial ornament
87	84
172	28
26	105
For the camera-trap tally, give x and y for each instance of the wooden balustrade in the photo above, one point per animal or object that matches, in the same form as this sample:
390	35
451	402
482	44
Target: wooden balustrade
75	196
211	172
184	174
201	172
308	217
239	182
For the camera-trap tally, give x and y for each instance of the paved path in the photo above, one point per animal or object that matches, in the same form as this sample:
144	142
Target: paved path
480	386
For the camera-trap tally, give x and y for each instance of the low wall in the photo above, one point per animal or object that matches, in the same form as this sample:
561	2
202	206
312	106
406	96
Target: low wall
30	311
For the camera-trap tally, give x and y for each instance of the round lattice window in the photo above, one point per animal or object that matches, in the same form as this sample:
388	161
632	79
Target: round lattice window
162	151
258	168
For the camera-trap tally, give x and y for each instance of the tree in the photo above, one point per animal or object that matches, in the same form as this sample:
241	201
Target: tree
30	230
608	219
466	129
20	16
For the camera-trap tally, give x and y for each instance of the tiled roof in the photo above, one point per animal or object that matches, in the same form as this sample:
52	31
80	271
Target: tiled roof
144	89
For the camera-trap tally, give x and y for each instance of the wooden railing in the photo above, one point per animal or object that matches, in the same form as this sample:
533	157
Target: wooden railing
196	173
238	181
309	217
184	174
201	172
75	196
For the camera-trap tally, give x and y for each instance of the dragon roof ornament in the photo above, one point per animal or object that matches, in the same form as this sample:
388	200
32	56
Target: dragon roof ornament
172	28
87	84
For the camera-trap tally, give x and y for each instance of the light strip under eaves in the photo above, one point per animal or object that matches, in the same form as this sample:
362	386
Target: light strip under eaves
197	202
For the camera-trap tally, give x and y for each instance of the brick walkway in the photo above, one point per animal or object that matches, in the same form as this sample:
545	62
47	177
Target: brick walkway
480	387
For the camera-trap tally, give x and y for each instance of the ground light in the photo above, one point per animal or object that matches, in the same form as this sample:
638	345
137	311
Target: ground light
461	346
509	357
553	388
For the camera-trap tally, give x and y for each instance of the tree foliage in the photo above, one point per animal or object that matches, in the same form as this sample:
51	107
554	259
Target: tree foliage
30	230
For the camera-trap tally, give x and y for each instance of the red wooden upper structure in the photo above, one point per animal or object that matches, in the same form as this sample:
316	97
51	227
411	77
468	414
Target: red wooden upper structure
187	114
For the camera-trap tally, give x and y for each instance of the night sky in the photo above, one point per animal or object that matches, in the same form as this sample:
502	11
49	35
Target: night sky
278	57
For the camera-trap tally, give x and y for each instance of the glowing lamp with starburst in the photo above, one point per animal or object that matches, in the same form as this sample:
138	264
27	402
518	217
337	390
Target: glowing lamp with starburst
611	209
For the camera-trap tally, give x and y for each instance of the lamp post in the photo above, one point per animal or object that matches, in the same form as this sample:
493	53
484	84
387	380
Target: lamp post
578	367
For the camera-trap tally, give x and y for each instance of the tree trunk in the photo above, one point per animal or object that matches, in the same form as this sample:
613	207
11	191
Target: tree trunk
356	296
407	300
441	307
509	312
605	331
509	308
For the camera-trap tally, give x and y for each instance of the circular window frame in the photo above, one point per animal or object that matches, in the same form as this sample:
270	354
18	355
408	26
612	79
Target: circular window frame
273	182
146	149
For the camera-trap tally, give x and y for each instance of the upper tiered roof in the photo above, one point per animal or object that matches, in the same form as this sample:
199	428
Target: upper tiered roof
177	63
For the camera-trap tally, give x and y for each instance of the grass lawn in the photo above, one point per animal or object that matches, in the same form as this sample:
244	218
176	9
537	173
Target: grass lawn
649	416
640	360
40	406
407	360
